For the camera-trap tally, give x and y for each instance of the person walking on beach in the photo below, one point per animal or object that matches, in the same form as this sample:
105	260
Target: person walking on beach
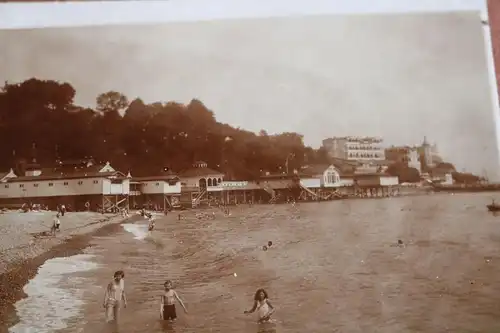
263	306
55	225
167	307
114	297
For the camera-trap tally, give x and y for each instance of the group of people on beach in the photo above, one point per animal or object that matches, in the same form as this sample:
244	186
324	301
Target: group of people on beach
115	298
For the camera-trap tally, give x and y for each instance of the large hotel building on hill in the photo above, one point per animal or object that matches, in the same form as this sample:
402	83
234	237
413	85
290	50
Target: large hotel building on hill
355	148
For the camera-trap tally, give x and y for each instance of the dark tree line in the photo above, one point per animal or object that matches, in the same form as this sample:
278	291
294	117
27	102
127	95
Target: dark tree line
39	117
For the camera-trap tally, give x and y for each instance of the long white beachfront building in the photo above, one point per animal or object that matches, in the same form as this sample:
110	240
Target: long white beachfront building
80	186
83	185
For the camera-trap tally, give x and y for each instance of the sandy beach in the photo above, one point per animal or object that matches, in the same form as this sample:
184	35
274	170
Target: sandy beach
22	234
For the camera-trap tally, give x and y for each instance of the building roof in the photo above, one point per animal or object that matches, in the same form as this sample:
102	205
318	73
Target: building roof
199	172
276	184
159	178
72	168
381	162
3	174
77	161
278	176
365	175
61	176
314	169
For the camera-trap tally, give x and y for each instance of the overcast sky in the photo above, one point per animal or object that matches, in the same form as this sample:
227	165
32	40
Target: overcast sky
400	77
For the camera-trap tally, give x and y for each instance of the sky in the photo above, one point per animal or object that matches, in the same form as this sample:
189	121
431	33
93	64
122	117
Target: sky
401	77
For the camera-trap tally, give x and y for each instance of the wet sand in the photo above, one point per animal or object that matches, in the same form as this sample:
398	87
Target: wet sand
24	248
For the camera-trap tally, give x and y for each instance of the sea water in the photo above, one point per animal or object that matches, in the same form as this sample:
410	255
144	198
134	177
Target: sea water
49	305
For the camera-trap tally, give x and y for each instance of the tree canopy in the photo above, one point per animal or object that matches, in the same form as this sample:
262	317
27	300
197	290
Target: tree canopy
135	136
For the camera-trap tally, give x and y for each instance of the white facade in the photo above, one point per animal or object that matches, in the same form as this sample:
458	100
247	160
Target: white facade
330	177
115	187
311	182
63	187
355	148
29	186
414	159
367	167
389	180
160	187
448	179
213	182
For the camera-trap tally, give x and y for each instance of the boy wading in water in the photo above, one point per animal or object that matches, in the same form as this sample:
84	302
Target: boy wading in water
151	224
167	308
114	297
262	305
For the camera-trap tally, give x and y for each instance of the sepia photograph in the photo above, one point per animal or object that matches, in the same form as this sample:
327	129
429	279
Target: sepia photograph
317	173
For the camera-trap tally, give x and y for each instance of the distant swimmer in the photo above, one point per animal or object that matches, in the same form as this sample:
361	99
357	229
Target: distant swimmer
269	244
264	248
263	306
114	297
167	307
398	244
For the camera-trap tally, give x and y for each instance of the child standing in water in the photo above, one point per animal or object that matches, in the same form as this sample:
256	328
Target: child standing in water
167	308
151	224
261	303
114	297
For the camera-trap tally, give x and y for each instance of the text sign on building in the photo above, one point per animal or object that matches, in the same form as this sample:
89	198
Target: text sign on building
235	184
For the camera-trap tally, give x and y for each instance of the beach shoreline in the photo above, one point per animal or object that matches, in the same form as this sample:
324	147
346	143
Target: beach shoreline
32	252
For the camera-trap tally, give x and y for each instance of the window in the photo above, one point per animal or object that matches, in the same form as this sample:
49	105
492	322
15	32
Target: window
21	185
157	184
80	182
331	177
6	186
51	184
209	181
65	183
96	182
35	185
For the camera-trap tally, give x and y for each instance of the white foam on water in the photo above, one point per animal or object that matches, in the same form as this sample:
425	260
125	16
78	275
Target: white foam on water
49	305
139	231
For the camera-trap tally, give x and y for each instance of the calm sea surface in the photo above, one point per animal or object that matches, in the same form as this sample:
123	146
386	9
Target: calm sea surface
333	267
